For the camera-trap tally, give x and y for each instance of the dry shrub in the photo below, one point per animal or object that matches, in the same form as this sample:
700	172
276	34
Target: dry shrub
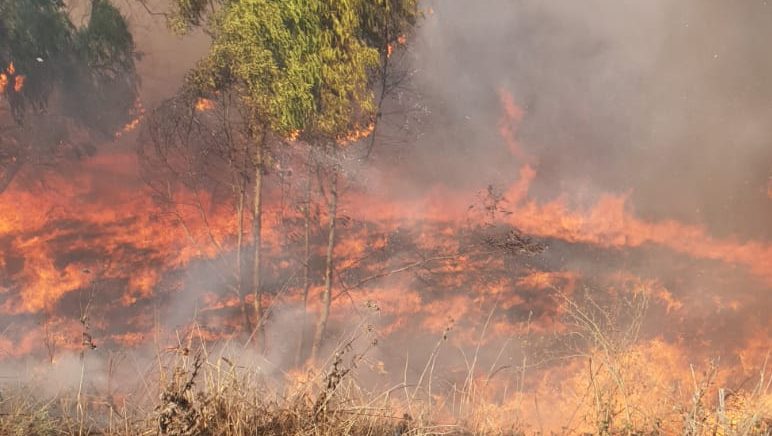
217	397
21	414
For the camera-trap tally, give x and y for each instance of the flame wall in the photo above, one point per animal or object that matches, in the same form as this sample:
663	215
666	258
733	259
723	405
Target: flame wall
629	137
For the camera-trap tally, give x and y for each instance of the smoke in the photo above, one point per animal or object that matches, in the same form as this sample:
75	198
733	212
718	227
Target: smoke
663	103
664	100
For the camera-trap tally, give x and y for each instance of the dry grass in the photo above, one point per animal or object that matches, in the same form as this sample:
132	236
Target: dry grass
612	388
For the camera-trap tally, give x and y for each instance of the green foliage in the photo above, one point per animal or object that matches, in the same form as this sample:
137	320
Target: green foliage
92	67
298	65
106	42
101	86
31	29
346	60
384	21
185	14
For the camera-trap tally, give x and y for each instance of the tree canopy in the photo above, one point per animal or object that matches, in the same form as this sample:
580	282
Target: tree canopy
92	66
302	66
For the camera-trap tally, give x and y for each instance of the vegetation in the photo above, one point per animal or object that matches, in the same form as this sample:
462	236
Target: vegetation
277	71
199	388
59	79
299	81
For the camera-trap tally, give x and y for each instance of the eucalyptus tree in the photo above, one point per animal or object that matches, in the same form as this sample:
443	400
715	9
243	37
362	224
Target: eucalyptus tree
300	69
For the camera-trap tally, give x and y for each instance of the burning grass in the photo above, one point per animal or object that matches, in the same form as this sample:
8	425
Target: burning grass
600	377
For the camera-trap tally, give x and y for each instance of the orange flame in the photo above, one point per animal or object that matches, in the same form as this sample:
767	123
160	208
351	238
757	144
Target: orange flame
10	76
294	135
357	134
204	104
461	289
18	83
609	223
138	109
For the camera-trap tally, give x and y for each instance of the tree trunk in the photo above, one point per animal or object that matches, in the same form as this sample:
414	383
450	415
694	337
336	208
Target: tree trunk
384	73
240	285
306	260
257	217
327	293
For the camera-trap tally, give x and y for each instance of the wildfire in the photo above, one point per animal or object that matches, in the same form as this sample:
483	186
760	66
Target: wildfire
434	220
357	134
204	104
609	223
128	230
18	83
545	280
139	110
293	136
401	40
415	260
9	77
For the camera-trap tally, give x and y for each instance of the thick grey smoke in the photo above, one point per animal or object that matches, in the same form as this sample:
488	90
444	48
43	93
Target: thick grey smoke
666	99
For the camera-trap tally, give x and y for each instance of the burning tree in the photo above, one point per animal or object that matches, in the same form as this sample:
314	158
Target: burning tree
61	84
